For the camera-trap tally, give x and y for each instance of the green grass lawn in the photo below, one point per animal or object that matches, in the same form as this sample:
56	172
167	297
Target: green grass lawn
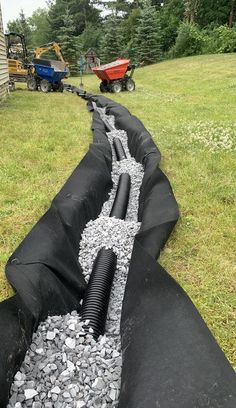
189	106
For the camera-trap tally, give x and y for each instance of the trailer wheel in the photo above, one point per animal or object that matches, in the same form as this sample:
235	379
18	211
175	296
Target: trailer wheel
45	86
103	87
130	85
32	84
61	87
116	86
11	86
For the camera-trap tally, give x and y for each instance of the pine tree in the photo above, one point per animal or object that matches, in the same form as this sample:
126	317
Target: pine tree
111	43
148	39
81	11
83	14
68	42
129	29
56	15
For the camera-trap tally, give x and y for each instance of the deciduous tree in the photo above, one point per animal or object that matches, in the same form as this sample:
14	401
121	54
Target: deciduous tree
191	10
39	26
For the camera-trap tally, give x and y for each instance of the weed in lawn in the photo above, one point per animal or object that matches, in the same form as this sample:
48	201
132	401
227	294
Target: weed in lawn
211	135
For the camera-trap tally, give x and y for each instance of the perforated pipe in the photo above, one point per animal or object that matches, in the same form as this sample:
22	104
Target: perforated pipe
96	300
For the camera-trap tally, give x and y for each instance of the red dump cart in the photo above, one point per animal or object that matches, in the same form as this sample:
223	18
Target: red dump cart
114	76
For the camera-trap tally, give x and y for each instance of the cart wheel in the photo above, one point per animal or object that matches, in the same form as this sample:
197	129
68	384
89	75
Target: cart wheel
61	87
45	86
116	86
32	84
12	86
130	85
103	87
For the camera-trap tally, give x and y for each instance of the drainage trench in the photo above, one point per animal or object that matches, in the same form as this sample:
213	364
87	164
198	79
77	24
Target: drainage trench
75	361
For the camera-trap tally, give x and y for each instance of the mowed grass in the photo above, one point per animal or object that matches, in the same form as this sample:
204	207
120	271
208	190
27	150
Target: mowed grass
44	136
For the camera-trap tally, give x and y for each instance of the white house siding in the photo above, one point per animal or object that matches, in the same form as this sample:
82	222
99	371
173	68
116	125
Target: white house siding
3	62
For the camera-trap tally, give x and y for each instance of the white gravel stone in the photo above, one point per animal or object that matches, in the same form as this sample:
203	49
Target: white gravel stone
30	393
37	404
18	376
70	366
56	390
98	384
80	404
70	342
84	372
50	335
39	351
112	394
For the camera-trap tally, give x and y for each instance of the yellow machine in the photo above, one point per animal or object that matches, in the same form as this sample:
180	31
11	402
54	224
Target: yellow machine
18	65
49	47
21	70
17	68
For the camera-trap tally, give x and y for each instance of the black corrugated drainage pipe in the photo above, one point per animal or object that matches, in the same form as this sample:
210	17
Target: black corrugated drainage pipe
121	201
97	296
119	149
96	300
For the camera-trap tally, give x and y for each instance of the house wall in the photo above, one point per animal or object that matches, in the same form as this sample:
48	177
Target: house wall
3	62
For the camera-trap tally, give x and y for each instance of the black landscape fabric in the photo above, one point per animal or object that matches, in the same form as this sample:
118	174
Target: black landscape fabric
170	358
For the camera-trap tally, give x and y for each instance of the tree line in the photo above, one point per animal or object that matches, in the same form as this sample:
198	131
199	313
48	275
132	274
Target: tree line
143	30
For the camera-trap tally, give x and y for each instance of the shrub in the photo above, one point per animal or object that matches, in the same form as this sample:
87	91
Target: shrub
189	41
219	40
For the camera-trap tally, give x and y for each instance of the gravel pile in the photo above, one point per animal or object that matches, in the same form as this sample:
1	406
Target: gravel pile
65	367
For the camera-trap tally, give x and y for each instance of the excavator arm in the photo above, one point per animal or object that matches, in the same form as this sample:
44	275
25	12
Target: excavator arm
48	47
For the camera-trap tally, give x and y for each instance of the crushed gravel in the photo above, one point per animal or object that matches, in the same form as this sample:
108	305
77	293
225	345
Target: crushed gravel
65	367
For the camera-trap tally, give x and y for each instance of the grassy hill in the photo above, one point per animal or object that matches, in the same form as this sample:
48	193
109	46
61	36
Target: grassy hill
189	106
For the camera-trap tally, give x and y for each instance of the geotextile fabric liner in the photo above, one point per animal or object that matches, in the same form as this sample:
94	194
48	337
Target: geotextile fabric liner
170	358
44	269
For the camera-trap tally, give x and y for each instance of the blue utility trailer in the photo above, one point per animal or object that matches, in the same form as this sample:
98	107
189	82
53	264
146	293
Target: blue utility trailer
47	75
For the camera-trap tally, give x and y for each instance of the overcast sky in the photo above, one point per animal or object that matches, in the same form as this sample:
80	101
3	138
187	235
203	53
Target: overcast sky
11	8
